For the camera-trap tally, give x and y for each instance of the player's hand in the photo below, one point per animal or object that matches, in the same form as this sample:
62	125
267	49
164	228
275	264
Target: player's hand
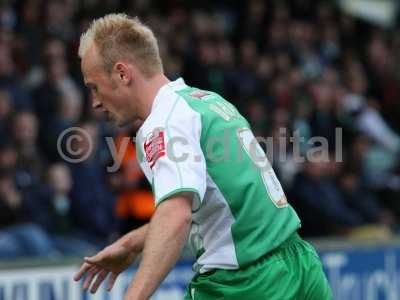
113	259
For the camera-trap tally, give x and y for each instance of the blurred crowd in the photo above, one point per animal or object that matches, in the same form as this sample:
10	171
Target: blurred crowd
302	66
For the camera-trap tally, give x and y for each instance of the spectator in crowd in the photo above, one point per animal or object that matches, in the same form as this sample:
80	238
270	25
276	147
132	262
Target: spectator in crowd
30	162
323	120
6	109
319	200
54	49
92	202
19	237
135	203
10	79
53	213
373	212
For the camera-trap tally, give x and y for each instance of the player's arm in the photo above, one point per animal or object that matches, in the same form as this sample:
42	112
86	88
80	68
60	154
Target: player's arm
113	259
165	239
177	164
134	240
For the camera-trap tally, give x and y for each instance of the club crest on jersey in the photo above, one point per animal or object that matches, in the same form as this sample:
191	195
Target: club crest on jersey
154	146
199	94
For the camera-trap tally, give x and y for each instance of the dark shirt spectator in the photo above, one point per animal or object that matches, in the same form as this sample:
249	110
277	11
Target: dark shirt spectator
321	203
92	203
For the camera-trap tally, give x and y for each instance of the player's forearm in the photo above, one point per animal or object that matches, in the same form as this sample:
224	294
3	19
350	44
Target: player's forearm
165	239
135	239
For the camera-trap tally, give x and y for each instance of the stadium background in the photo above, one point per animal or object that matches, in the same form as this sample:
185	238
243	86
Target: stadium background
302	66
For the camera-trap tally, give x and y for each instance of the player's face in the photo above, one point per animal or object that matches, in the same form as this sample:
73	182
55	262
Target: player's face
109	92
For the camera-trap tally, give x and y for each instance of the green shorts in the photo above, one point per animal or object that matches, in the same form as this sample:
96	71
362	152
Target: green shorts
293	271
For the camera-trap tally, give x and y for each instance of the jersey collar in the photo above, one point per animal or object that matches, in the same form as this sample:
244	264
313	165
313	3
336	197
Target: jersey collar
176	85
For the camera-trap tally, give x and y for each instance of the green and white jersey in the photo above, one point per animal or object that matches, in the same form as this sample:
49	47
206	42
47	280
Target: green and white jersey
194	140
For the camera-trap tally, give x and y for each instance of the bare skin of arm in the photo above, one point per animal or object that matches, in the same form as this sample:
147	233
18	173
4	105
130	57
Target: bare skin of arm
161	242
165	239
113	260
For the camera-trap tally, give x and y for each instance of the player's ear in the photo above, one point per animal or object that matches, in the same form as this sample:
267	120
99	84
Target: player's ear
122	72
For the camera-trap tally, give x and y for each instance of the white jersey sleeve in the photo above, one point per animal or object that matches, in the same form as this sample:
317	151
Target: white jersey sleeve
173	159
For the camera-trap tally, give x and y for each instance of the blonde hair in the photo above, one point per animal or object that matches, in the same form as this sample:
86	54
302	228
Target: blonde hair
118	36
